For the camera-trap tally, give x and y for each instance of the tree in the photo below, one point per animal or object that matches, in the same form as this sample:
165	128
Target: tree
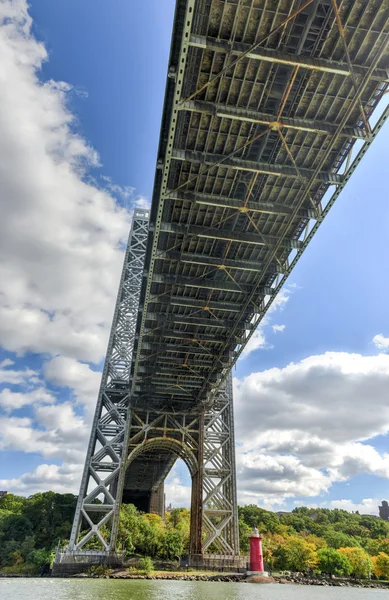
244	535
254	516
300	555
360	561
337	539
272	544
333	562
381	566
129	526
375	546
15	527
172	546
13	503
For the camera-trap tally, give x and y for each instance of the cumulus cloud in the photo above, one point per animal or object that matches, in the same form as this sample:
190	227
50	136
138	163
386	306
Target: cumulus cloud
381	342
62	237
178	494
305	426
14	376
278	328
11	401
54	431
79	377
63	479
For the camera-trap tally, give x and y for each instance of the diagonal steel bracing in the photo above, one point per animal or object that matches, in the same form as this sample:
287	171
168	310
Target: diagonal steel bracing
100	492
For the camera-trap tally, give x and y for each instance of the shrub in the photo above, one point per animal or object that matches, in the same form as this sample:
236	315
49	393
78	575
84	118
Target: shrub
146	564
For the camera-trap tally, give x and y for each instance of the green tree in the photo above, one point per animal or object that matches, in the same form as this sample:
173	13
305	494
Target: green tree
374	547
15	527
172	546
129	525
300	555
360	561
381	566
146	564
333	562
337	539
13	503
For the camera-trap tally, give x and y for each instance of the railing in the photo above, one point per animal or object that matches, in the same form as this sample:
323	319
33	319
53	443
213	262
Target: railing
215	562
91	557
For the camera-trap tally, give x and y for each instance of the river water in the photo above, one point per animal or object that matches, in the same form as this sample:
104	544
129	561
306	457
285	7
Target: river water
108	589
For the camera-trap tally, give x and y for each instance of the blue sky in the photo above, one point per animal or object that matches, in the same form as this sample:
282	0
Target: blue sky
61	266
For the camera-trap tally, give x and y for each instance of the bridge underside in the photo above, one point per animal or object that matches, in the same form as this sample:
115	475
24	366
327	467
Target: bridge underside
264	104
144	481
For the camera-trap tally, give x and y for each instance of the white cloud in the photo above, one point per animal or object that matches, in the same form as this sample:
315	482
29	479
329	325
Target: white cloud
278	328
302	427
55	431
381	342
62	237
45	477
367	506
17	376
177	493
10	401
83	381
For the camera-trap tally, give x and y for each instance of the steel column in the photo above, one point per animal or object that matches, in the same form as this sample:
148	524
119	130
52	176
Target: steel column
106	450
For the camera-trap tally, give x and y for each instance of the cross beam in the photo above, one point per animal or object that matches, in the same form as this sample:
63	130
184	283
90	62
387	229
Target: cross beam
255	167
214	261
284	58
271	208
170	347
230	236
174	334
252	116
210	284
195	303
201	321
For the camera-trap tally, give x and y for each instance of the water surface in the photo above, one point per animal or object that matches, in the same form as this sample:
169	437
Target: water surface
109	589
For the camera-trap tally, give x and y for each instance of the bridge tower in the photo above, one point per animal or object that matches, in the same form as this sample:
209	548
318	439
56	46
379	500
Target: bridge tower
132	448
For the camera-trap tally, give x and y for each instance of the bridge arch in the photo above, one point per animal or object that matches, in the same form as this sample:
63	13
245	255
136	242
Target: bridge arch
179	449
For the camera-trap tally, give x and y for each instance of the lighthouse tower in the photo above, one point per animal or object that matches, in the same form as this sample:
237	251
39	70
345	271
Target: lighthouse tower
256	554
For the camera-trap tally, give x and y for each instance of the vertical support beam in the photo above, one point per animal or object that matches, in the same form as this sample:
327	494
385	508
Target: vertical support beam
196	505
157	500
214	491
106	453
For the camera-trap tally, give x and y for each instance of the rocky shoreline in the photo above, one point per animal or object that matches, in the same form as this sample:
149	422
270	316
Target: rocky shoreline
243	578
228	577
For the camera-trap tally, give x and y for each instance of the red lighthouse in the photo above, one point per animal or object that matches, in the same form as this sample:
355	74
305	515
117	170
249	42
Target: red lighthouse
256	555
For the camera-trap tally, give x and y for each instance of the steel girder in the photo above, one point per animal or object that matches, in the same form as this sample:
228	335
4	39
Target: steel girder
258	239
102	480
275	170
224	111
271	208
283	58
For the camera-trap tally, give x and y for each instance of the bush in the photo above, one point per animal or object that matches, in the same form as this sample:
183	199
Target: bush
333	562
146	564
99	570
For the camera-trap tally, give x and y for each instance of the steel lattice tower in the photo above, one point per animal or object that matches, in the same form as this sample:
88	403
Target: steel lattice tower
126	437
102	480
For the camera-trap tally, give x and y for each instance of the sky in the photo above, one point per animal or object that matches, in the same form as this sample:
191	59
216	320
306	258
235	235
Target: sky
81	95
